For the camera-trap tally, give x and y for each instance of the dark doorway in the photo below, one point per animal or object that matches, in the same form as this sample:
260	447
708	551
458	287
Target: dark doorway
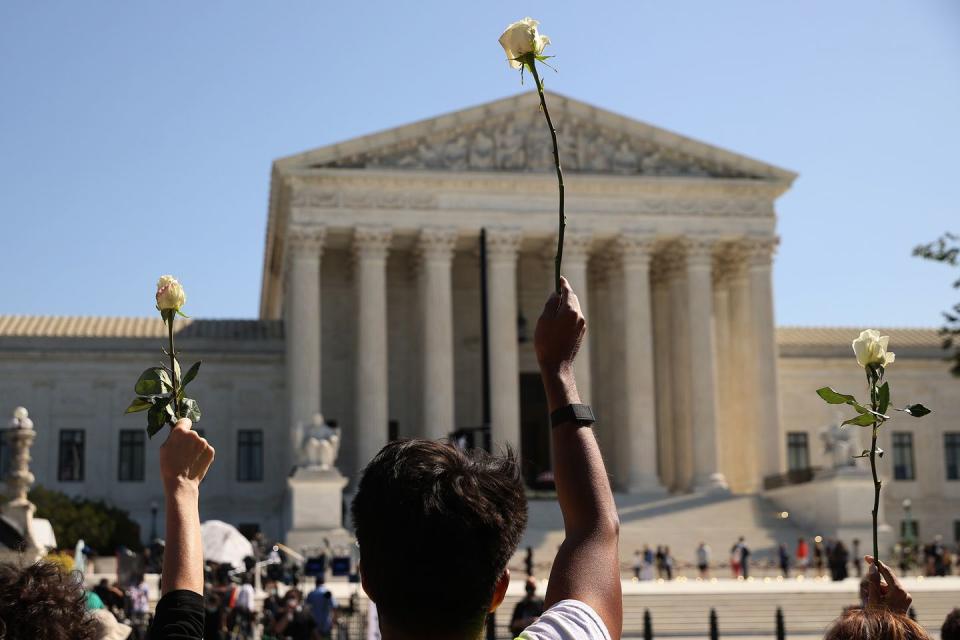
534	432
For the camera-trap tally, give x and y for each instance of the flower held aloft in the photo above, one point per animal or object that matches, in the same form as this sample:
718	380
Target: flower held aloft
871	349
520	40
160	390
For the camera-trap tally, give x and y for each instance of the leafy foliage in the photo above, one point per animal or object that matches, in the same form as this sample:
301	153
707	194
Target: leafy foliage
154	389
946	249
102	527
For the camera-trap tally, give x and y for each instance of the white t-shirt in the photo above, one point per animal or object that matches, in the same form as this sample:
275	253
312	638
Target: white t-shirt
567	620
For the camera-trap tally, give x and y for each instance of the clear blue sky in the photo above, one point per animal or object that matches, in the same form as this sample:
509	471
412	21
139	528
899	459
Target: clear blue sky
136	138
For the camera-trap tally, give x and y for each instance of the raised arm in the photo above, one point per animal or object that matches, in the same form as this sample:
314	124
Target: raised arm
587	566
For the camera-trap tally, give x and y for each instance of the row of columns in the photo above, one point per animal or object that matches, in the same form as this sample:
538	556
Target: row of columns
689	321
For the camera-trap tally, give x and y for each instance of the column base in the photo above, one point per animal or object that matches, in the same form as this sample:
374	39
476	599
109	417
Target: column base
711	483
648	486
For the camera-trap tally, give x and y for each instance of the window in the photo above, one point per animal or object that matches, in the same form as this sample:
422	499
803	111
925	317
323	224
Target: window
6	454
909	530
130	467
951	449
70	468
798	452
903	456
250	456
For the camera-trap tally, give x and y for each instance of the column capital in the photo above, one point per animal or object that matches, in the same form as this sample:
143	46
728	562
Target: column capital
436	243
699	251
728	262
371	243
503	243
635	248
577	244
759	251
306	240
671	260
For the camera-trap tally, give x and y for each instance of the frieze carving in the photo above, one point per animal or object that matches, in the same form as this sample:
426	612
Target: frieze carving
520	142
366	199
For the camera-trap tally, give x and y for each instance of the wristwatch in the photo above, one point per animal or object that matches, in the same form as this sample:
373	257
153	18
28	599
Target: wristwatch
576	413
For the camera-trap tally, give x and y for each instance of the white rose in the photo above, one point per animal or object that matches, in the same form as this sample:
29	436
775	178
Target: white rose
521	38
871	348
170	294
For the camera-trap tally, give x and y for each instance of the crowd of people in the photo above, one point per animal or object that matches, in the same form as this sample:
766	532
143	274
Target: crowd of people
436	527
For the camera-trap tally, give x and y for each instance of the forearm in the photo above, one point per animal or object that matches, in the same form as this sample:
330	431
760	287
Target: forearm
583	489
183	556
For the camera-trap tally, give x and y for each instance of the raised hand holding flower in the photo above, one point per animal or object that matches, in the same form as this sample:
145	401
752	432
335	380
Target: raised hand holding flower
870	349
160	390
523	43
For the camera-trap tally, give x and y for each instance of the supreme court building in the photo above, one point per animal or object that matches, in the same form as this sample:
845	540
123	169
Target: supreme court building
371	314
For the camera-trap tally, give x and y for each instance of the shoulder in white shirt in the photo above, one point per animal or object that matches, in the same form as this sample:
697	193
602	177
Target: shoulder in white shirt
567	620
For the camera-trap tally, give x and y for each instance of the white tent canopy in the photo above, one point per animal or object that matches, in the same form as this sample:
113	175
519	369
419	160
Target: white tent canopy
222	543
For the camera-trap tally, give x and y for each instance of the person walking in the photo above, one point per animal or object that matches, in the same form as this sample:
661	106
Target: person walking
668	563
322	605
818	556
637	564
703	560
856	557
660	559
784	558
526	612
744	558
735	559
803	556
646	573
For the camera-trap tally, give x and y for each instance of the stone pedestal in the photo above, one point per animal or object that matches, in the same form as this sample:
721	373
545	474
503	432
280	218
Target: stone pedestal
836	504
314	506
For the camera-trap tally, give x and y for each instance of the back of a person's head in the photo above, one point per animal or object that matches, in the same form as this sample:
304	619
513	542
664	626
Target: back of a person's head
951	626
874	624
436	526
38	601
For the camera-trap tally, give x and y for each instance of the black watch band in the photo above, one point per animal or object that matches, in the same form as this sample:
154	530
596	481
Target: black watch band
576	413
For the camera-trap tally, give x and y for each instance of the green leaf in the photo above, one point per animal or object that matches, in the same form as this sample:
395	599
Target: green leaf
863	454
883	399
139	404
862	420
181	313
916	410
176	369
190	409
191	374
834	397
156	418
153	381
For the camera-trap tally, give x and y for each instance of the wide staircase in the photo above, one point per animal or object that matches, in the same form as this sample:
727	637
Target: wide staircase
749	609
679	521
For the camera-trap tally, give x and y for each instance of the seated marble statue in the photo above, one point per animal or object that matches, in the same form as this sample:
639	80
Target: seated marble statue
320	445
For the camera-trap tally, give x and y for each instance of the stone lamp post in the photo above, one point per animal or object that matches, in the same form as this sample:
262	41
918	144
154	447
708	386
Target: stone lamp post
19	510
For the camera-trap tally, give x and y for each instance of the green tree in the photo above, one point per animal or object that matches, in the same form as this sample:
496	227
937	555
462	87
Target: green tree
101	526
946	249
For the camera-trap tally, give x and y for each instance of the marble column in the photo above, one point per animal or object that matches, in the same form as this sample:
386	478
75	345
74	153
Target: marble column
703	367
576	253
727	440
766	397
302	328
638	439
674	259
740	353
435	250
662	359
502	247
370	248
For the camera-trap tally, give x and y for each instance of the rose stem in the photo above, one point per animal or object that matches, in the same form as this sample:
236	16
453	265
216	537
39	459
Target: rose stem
173	366
556	161
873	462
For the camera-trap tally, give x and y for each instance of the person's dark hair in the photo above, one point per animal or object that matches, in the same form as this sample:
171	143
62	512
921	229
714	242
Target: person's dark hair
38	601
874	624
436	526
951	626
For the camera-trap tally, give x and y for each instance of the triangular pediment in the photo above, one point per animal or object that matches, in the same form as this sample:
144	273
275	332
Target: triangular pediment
511	135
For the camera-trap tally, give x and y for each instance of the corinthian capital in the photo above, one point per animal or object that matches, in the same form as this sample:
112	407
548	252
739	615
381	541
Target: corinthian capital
371	243
699	251
634	248
577	244
436	243
503	243
306	240
759	251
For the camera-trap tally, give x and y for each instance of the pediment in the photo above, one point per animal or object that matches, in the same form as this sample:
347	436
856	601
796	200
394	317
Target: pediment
510	135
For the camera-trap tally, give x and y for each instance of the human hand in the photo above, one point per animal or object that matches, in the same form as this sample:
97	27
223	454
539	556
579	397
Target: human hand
888	592
560	331
185	457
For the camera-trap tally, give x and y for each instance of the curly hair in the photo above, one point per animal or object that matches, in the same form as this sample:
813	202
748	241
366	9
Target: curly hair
38	601
436	526
874	624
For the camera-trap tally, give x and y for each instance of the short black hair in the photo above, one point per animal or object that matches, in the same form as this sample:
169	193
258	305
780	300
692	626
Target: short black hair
436	527
951	626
